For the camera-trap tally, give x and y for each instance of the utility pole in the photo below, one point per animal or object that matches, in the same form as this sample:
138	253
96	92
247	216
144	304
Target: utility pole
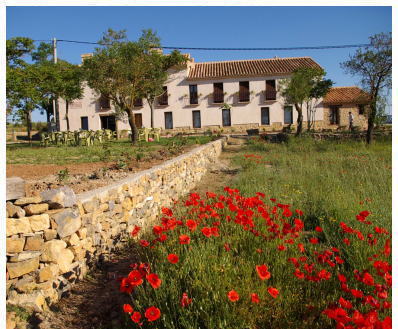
55	100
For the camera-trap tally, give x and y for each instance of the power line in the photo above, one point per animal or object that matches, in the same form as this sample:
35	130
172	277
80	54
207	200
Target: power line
235	49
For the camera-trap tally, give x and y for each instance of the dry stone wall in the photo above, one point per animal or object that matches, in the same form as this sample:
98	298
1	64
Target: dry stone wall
54	239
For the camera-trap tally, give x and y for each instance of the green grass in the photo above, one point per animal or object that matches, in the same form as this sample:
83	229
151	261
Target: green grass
327	181
112	151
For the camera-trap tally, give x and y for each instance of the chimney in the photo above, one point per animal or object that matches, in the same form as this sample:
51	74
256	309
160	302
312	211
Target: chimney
85	56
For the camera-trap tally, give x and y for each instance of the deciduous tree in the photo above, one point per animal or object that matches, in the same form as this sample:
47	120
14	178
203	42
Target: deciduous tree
373	64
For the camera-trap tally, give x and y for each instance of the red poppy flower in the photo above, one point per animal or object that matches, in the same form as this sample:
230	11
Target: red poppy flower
214	231
184	239
136	317
313	240
167	212
211	195
345	303
172	258
346	241
191	224
127	308
368	279
154	280
281	247
227	247
144	243
255	298
273	292
298	274
135	231
318	229
357	293
135	278
233	296
185	301
157	230
152	313
262	271
299	212
301	247
126	286
206	232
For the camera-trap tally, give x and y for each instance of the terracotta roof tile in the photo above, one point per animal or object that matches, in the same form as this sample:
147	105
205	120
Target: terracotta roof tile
346	95
249	68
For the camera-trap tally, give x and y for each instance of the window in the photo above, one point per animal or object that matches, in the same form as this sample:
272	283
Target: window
265	116
104	102
334	115
196	119
168	120
288	115
164	98
270	90
244	93
218	92
193	94
138	102
84	123
361	109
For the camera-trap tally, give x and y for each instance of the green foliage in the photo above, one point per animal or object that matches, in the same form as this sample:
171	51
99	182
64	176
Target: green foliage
63	175
373	65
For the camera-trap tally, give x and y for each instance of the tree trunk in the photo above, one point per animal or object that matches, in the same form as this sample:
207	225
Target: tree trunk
151	103
371	121
29	125
48	118
299	119
67	114
134	130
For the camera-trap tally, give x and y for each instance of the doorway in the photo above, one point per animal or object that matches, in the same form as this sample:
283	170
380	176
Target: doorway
265	116
138	120
168	120
226	117
108	122
196	119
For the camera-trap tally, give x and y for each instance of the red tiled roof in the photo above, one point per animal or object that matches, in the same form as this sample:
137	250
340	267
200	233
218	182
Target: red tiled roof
346	95
249	68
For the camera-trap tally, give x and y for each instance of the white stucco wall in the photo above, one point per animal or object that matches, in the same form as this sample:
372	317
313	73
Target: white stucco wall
178	104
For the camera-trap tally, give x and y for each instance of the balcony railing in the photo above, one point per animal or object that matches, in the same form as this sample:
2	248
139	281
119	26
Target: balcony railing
163	99
244	96
218	97
270	95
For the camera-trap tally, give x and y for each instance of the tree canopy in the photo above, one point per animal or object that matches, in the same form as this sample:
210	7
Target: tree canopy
373	65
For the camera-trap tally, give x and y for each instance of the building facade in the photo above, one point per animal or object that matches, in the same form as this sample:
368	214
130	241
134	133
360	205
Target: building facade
227	95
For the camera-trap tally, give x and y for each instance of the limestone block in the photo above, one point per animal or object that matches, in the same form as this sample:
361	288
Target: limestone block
10	320
34	243
68	222
90	206
14	211
52	250
15	244
49	272
50	234
63	197
39	222
24	255
82	233
18	269
26	284
36	209
34	301
28	200
17	225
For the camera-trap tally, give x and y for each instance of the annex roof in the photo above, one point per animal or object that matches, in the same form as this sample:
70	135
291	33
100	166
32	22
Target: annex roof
346	95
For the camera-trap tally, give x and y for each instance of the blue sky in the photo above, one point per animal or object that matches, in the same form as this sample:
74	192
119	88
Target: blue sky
211	27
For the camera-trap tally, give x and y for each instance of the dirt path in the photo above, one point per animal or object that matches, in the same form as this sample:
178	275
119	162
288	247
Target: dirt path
95	302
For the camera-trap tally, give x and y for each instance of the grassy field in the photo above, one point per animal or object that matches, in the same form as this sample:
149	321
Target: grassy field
222	239
112	151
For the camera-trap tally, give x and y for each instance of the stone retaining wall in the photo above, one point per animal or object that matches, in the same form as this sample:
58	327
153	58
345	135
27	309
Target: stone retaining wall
54	239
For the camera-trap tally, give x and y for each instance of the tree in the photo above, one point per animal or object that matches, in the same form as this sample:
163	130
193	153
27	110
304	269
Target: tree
156	66
373	65
123	70
69	86
304	85
318	91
